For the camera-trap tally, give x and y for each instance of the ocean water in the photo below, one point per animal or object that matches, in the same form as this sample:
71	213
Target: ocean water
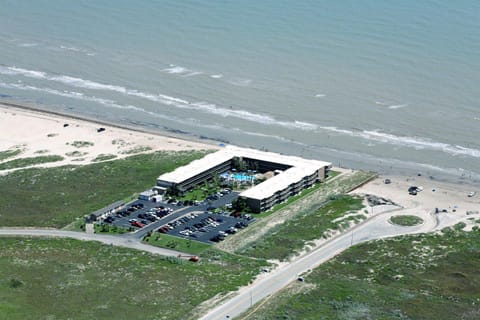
390	86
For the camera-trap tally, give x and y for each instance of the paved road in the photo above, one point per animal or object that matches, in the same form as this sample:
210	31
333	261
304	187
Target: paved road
375	228
106	239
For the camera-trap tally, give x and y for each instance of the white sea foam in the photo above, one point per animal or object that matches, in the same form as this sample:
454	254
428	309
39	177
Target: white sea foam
24	72
405	141
176	70
250	116
193	73
70	48
398	106
161	98
401	163
320	95
83	97
28	44
241	82
216	76
391	106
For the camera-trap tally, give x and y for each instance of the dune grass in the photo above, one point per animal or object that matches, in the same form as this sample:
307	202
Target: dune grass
71	279
411	277
9	154
54	197
25	162
176	243
290	237
406	220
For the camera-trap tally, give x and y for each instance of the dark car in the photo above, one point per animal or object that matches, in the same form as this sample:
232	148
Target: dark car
413	190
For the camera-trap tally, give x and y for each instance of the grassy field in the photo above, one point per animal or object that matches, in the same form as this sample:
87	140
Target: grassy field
406	220
290	237
70	279
412	277
25	162
54	197
176	243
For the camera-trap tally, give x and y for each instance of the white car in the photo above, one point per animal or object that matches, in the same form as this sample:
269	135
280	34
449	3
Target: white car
471	194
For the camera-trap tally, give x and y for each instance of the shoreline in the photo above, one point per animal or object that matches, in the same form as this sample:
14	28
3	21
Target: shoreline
189	138
185	136
38	138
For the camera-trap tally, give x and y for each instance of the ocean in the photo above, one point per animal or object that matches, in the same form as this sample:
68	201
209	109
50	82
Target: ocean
389	86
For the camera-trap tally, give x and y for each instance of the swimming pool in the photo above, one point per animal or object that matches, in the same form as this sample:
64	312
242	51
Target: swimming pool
241	177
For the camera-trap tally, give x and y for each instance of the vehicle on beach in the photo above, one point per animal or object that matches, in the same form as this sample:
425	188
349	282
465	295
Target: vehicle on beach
471	194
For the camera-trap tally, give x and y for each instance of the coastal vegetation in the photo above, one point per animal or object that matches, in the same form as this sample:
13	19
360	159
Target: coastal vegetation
54	197
9	153
71	279
106	228
26	162
406	220
104	157
426	276
137	149
289	238
76	154
176	243
80	144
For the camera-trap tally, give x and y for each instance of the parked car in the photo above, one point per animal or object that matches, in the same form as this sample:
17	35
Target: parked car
137	224
471	194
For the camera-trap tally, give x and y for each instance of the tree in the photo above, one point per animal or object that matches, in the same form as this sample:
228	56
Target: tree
239	204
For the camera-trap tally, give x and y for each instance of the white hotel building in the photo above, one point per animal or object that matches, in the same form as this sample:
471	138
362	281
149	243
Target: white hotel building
295	174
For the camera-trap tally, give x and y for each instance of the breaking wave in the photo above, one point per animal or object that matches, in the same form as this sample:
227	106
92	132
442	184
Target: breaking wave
161	98
405	141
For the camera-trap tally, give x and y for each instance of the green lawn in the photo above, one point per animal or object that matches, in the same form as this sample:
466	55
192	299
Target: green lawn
412	277
25	162
176	243
285	239
70	279
54	197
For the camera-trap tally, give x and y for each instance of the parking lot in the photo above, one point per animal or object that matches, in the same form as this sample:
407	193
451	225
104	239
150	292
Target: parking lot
205	227
195	222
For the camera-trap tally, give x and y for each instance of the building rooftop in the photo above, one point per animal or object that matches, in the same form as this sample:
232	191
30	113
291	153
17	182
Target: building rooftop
108	208
279	182
300	168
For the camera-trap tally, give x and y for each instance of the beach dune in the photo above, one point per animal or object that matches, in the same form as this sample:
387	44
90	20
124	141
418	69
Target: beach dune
78	141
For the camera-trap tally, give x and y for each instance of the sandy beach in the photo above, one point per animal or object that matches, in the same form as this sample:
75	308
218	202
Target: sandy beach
78	141
452	200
